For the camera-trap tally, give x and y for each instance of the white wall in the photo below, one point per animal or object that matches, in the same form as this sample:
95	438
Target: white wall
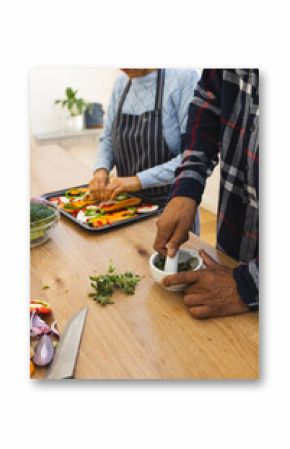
48	84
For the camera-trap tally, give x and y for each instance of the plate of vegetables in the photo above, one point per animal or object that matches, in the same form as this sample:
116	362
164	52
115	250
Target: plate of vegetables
77	204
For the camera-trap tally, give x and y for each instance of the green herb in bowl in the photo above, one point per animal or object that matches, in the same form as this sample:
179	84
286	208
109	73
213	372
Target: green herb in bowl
189	264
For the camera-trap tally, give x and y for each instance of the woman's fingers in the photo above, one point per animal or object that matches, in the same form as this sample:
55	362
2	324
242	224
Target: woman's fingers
101	189
109	191
115	187
93	186
116	192
97	187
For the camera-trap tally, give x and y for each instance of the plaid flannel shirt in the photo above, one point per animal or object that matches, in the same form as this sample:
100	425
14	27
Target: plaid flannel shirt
223	123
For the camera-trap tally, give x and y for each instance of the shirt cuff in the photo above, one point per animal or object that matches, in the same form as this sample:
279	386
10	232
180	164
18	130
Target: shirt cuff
102	165
246	287
187	187
146	179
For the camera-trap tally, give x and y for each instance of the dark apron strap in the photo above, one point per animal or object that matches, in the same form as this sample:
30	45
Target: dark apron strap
122	99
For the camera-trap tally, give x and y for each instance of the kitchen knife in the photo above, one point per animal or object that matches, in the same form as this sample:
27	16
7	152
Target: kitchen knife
64	361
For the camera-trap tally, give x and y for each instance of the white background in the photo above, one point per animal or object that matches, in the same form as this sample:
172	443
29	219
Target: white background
159	414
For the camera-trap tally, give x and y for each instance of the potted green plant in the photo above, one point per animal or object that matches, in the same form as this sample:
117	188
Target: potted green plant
75	107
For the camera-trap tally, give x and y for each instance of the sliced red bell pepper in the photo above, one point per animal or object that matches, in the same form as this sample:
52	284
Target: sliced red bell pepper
39	306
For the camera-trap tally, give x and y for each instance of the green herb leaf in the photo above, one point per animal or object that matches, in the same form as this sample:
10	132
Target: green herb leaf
105	285
188	265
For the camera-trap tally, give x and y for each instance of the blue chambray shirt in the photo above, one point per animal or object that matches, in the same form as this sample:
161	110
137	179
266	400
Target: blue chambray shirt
178	93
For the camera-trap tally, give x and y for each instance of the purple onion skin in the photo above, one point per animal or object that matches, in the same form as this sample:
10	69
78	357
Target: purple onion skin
44	351
38	326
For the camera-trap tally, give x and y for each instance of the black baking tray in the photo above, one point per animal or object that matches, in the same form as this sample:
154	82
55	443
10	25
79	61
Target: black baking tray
106	227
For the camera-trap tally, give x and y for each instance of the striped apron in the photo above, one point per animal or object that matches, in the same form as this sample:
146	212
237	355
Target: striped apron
138	142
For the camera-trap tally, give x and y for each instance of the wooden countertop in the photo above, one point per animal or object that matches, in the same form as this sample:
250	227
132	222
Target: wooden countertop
146	336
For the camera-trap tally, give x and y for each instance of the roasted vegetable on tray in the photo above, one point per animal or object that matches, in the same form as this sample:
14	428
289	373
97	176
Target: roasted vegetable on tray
83	206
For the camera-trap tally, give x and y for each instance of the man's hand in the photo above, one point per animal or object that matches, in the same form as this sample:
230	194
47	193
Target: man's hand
174	225
97	185
121	185
210	293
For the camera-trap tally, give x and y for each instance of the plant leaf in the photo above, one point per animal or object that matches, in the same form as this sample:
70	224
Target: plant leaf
69	92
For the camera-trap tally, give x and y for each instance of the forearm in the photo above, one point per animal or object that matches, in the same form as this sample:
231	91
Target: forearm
159	175
105	156
247	279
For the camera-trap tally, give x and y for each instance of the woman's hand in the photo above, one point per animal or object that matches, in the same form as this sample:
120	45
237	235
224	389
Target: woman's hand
97	185
120	185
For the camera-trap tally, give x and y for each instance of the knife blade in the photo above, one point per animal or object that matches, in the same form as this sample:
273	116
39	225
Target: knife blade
66	353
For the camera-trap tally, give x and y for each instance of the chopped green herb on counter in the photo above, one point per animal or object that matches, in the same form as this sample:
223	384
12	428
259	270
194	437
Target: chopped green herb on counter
44	287
188	265
104	285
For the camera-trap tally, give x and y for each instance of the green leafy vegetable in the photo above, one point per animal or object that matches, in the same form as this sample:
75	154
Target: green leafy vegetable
104	285
40	212
188	265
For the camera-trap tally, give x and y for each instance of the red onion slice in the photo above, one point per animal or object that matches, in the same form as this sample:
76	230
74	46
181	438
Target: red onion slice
38	326
44	351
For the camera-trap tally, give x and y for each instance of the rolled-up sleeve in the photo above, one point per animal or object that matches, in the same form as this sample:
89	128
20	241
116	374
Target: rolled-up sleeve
160	175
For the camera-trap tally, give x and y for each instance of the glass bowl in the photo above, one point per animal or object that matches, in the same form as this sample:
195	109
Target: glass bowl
42	230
